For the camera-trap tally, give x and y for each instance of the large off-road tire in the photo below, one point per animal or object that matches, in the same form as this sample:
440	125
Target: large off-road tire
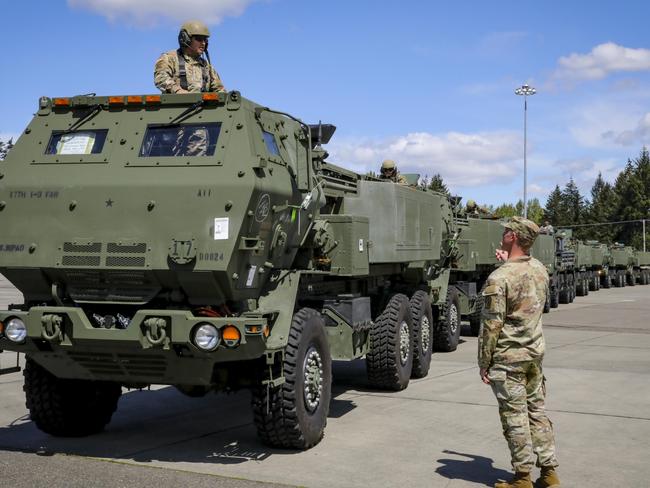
447	333
631	279
585	286
389	361
65	407
555	297
607	281
580	286
565	294
422	333
294	414
475	318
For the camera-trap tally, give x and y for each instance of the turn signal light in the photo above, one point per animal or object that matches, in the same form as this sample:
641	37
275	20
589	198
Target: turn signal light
2	328
210	97
230	336
61	102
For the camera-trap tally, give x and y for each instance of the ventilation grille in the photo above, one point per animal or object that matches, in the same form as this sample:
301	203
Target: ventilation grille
115	248
126	261
113	286
116	255
127	366
80	260
73	247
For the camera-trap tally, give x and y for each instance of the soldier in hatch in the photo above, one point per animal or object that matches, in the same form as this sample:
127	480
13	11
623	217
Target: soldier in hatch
188	70
389	172
510	352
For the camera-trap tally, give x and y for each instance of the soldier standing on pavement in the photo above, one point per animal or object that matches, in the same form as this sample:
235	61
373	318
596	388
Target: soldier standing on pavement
510	352
389	172
188	68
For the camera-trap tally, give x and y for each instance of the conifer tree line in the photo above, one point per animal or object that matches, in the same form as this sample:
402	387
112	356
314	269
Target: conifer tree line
628	198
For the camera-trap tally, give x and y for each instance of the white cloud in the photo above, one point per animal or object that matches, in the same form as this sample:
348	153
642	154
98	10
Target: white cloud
639	134
7	136
150	12
461	159
535	189
601	61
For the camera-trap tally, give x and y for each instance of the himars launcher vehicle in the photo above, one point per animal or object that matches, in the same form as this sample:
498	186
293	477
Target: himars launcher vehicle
202	241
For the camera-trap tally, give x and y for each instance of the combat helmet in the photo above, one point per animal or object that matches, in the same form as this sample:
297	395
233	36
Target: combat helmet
388	165
192	28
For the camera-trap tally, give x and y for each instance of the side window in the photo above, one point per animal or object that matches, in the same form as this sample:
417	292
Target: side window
80	142
271	145
180	140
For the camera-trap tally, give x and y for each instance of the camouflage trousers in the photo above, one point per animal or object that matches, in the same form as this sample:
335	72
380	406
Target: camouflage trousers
520	390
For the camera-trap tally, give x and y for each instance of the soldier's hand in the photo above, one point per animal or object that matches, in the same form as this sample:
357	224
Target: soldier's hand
483	373
501	255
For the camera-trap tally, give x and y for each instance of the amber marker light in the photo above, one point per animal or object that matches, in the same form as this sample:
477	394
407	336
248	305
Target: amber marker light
210	97
2	328
116	100
61	102
152	99
134	99
230	336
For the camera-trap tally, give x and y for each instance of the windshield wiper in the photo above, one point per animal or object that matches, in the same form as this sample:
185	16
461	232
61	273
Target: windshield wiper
193	109
92	111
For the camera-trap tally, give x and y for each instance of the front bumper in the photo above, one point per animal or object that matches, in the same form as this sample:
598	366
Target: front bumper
75	349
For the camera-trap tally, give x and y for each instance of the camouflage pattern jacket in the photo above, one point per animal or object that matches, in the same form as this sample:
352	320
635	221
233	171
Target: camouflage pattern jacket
511	322
167	77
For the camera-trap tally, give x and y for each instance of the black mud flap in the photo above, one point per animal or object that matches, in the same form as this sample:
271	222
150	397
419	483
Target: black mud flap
11	369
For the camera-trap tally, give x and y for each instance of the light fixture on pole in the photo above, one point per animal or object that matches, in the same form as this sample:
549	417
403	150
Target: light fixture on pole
526	91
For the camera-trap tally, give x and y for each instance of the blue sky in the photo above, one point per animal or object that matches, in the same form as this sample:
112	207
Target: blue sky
427	83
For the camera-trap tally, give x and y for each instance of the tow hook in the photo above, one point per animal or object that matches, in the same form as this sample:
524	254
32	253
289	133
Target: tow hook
156	331
52	327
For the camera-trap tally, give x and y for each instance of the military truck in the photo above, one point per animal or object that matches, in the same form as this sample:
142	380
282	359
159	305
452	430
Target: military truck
479	238
622	265
203	241
600	257
642	267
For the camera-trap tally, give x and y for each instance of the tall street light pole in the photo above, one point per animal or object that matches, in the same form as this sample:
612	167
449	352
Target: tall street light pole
526	91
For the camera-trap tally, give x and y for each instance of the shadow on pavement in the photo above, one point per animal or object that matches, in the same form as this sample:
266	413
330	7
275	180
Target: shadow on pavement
165	425
475	469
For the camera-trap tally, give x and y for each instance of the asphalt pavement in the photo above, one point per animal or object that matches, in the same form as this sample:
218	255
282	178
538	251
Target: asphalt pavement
442	431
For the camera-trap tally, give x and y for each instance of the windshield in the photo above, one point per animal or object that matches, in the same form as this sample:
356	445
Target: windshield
81	142
181	140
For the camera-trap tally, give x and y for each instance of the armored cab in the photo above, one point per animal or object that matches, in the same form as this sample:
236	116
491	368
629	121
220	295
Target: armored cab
622	264
204	241
642	267
478	239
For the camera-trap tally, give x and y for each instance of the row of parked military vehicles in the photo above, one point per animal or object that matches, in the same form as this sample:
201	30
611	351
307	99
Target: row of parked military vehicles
205	242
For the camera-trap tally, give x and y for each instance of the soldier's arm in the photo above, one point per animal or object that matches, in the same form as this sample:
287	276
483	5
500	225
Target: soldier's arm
164	75
215	81
492	318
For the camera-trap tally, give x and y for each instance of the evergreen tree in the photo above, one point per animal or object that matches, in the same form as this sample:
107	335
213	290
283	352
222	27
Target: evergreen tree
437	184
552	211
602	209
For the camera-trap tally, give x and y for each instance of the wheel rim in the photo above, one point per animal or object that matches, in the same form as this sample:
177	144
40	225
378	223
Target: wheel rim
313	379
453	319
425	334
404	342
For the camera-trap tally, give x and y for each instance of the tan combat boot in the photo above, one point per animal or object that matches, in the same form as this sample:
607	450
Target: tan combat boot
548	478
520	480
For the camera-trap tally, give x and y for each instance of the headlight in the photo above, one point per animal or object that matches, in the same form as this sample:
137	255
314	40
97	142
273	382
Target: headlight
206	337
15	330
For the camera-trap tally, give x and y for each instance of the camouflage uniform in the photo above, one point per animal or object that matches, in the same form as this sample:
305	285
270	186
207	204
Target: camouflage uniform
167	76
511	347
